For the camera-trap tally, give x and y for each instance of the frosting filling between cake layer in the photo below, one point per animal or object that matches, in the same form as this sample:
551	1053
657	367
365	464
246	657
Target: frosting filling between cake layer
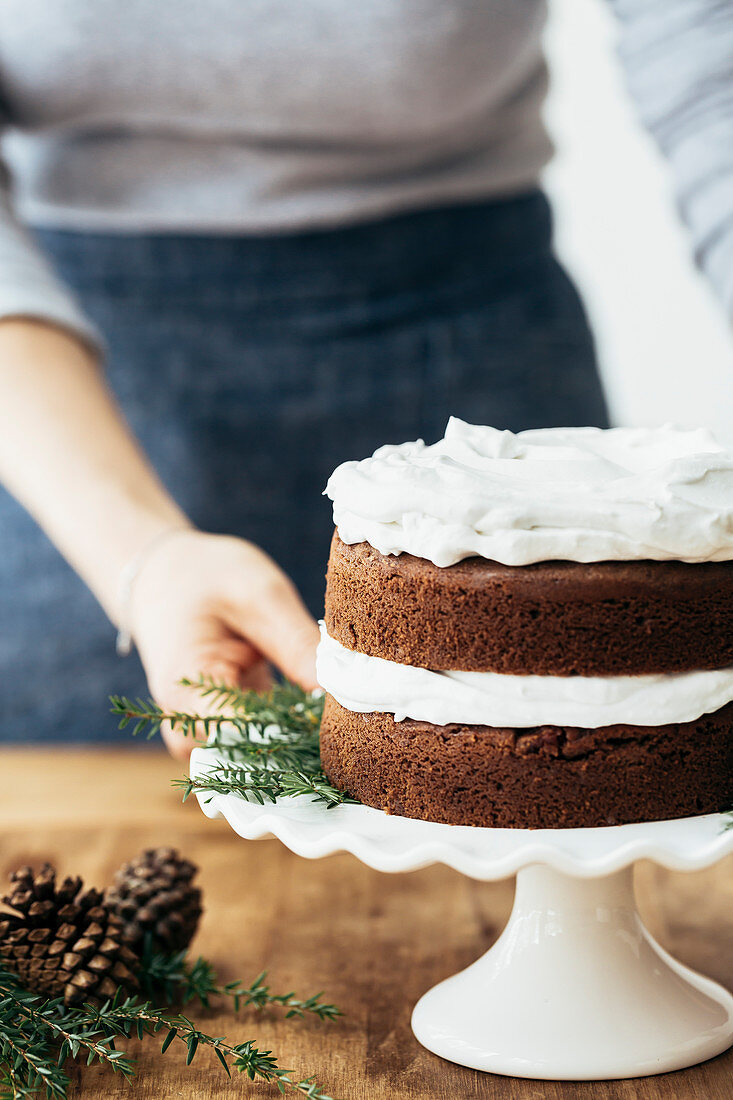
572	494
365	684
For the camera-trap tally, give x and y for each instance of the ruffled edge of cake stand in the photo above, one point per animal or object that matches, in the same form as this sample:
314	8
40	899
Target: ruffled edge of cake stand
395	844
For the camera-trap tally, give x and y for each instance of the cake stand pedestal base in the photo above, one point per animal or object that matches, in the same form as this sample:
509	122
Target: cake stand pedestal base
575	989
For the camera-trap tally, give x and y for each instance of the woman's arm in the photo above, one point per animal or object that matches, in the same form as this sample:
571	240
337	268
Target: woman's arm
678	56
68	458
200	603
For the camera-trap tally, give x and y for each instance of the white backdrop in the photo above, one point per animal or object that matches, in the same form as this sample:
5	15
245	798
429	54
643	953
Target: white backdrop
665	345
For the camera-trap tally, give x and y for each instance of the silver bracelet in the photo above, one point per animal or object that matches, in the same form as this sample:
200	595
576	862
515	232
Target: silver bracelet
126	586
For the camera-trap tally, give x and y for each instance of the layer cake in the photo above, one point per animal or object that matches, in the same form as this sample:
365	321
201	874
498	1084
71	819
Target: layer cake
533	630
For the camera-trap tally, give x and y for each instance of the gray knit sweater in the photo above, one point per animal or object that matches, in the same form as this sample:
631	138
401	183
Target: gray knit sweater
267	116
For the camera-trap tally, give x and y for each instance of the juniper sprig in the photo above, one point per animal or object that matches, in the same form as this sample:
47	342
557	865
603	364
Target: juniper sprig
180	979
264	785
283	714
38	1035
136	1018
267	742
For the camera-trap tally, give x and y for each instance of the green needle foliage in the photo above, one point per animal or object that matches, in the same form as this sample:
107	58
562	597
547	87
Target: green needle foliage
268	746
285	713
268	741
728	822
39	1036
136	1018
182	980
264	785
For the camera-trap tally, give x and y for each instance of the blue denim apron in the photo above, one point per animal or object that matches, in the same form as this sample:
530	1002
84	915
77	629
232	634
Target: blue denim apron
249	367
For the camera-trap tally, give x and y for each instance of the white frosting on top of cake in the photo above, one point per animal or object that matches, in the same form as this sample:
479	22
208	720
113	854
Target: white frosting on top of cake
573	494
364	684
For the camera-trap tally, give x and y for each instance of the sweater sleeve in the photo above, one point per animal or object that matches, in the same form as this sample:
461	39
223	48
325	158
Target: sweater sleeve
678	57
28	285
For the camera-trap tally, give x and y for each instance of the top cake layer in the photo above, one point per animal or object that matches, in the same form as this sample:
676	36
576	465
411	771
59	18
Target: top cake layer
554	494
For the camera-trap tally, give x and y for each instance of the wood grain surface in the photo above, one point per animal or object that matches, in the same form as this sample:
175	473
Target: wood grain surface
372	942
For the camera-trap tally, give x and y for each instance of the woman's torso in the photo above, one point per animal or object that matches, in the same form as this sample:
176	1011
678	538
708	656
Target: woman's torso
268	115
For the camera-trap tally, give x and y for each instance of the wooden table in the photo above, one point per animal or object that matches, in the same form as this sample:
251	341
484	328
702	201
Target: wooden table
373	942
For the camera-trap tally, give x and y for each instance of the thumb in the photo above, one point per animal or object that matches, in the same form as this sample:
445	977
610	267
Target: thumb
276	621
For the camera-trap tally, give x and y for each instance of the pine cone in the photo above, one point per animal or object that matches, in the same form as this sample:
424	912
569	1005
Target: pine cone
153	896
61	942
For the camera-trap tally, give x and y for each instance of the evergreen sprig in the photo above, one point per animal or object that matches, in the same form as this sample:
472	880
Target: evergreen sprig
39	1035
179	979
268	741
285	708
283	714
264	785
148	717
136	1018
728	820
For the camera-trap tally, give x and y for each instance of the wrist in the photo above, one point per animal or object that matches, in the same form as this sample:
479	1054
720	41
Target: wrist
127	582
118	527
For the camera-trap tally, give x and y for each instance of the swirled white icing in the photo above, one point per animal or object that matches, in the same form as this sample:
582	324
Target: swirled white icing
365	684
574	494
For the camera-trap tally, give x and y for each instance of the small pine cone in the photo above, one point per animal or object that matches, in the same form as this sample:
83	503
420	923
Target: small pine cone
154	897
62	942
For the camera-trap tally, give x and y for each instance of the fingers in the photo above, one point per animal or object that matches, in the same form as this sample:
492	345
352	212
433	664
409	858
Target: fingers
187	701
219	607
248	671
275	620
173	696
177	743
258	677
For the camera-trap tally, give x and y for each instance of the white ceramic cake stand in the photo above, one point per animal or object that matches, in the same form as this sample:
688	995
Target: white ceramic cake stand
575	988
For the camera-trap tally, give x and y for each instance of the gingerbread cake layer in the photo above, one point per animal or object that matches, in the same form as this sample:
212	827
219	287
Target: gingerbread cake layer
548	777
551	618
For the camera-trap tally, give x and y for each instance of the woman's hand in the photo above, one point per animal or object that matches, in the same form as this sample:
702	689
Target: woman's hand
200	603
216	605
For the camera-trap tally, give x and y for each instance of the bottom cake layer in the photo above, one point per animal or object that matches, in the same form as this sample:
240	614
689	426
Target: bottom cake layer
547	777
